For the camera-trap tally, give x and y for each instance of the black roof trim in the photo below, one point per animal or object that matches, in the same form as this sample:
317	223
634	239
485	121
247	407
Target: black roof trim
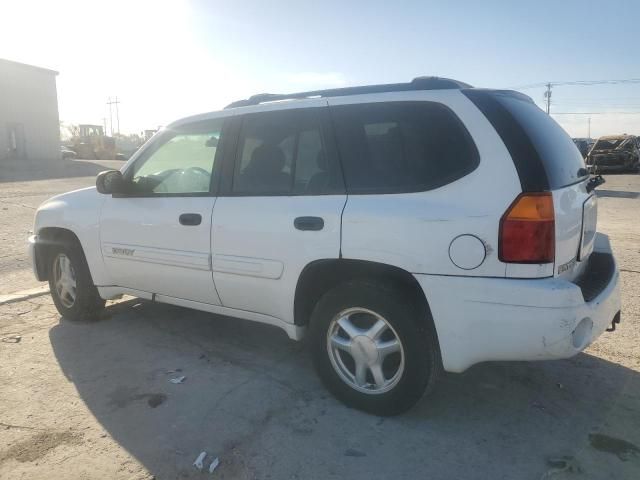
529	165
418	83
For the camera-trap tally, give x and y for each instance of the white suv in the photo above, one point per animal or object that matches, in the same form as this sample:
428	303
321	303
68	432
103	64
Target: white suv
408	228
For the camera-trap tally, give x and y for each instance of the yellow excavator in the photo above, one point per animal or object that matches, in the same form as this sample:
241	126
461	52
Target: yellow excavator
92	144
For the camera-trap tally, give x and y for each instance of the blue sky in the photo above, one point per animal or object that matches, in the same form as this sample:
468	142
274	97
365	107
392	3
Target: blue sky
170	59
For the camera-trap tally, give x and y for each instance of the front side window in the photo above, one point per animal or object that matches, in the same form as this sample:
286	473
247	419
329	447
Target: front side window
283	153
402	146
180	162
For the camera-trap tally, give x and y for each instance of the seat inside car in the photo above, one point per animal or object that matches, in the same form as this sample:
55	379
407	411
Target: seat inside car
320	180
264	171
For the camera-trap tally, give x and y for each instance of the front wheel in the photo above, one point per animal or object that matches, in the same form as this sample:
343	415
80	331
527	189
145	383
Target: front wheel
372	349
71	286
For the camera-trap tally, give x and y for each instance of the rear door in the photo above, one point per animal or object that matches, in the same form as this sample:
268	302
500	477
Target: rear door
279	208
157	238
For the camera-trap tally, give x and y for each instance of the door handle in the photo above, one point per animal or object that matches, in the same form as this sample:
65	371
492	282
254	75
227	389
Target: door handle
190	219
309	223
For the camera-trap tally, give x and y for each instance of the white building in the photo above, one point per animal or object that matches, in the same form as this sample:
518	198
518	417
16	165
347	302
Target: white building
29	123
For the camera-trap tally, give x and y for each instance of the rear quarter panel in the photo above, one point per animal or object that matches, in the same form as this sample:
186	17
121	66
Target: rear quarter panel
413	231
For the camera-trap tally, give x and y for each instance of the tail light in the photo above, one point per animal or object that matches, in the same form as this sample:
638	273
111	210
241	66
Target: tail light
527	230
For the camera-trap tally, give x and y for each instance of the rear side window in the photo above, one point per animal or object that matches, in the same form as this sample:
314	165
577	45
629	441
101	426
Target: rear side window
544	155
284	153
395	147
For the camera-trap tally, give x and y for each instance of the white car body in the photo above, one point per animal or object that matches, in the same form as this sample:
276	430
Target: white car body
245	259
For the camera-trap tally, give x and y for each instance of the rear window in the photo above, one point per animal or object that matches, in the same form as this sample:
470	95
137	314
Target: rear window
395	147
560	157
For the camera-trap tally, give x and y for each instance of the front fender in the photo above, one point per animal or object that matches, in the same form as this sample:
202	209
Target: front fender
79	212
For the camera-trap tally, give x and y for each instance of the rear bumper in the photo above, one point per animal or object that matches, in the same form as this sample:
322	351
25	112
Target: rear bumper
484	319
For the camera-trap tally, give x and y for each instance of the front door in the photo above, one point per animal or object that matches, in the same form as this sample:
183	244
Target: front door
279	209
157	237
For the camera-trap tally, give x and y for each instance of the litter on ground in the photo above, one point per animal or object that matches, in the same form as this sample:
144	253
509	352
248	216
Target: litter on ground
198	463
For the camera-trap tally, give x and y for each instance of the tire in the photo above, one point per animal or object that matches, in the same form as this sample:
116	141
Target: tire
411	369
79	302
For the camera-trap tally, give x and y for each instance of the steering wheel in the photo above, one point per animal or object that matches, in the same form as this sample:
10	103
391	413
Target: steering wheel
199	170
160	187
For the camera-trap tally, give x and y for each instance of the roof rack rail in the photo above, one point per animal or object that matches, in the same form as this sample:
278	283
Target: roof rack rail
418	83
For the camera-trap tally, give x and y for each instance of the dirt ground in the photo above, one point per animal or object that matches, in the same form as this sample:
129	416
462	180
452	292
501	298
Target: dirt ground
94	401
21	191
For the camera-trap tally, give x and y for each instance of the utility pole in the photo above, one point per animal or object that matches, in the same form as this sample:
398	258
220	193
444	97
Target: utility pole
118	115
547	96
589	127
110	117
115	102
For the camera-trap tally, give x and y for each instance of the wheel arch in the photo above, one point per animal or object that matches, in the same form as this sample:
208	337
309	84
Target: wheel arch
319	276
49	238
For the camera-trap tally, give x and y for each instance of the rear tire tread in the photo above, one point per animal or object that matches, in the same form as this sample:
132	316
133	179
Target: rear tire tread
422	354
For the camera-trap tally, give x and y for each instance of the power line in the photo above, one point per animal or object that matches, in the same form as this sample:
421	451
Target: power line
595	113
575	82
549	85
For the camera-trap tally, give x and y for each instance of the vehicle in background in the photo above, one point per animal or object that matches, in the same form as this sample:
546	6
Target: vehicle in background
147	134
614	153
583	146
92	144
66	153
127	145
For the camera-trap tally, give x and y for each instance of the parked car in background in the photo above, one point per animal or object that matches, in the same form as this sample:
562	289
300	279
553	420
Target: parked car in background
583	146
407	229
67	153
615	153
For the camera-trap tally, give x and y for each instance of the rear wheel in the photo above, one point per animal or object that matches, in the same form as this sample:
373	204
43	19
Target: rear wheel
371	348
72	289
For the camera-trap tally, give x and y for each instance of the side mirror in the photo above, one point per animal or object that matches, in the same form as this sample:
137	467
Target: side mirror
109	182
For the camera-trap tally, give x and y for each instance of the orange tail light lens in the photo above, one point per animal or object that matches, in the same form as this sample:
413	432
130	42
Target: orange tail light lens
527	230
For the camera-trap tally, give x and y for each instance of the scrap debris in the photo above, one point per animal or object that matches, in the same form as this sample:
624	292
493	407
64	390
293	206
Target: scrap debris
199	461
177	380
12	338
563	464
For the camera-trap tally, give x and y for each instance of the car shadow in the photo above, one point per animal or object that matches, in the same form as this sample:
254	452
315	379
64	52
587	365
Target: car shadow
27	170
250	396
617	194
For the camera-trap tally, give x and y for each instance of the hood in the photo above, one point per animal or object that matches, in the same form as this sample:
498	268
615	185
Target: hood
75	209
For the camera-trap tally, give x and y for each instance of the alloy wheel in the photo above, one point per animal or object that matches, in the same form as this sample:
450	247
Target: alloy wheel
365	351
